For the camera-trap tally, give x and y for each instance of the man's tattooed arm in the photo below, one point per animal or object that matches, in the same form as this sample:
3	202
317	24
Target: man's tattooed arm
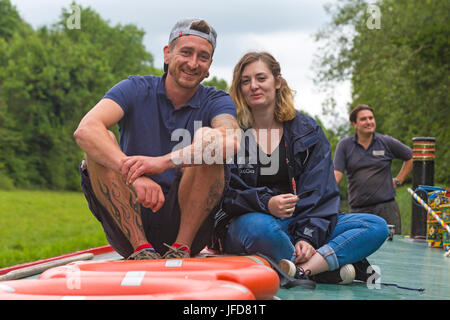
211	145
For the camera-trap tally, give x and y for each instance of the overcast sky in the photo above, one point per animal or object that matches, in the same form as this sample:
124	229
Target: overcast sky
285	28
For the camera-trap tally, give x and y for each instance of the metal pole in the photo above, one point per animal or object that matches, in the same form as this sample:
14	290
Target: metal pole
423	174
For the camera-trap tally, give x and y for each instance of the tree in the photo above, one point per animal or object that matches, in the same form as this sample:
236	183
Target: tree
10	21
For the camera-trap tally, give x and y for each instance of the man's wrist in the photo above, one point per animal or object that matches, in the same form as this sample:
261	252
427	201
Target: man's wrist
397	182
174	160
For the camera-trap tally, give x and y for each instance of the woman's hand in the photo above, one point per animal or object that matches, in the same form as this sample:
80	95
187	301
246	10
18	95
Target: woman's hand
283	205
304	251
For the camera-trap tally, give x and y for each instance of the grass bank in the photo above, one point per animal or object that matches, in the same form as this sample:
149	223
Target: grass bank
41	224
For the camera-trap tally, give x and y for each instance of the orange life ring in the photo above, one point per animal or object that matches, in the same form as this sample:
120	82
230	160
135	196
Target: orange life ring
203	263
113	288
249	271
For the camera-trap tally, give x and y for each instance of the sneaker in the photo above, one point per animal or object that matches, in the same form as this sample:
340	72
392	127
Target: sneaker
144	254
364	271
302	277
176	253
344	275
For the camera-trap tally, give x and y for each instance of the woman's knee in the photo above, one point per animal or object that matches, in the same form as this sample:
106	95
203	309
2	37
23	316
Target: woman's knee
258	229
374	227
253	223
259	232
377	226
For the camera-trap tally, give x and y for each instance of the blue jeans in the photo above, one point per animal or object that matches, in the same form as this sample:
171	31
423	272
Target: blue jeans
354	237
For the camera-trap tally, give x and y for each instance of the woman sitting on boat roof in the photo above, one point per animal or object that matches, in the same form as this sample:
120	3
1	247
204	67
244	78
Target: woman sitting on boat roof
283	200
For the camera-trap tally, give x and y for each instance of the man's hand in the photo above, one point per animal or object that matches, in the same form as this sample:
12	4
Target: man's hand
149	193
283	205
338	176
394	184
304	251
135	166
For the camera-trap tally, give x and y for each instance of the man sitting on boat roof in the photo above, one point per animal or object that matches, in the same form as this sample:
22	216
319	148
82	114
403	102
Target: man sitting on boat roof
153	201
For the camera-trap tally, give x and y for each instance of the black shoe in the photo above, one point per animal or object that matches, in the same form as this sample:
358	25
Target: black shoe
364	271
344	275
301	277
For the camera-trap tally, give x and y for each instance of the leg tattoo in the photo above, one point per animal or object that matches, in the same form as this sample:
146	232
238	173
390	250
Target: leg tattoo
125	212
214	195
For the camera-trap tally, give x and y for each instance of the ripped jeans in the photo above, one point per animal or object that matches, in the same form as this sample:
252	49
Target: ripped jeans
355	236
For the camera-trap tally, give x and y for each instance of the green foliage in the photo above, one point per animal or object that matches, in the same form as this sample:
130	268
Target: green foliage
43	224
10	21
49	78
220	84
401	69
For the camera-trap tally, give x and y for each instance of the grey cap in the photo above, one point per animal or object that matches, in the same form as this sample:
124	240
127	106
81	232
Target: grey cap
183	28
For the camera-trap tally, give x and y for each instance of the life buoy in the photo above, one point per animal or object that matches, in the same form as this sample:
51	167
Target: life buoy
225	261
251	272
113	288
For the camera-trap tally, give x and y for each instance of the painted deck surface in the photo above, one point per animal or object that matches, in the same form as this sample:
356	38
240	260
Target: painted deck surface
401	261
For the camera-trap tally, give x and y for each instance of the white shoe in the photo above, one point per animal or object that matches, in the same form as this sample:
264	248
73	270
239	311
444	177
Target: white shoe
344	275
288	267
347	274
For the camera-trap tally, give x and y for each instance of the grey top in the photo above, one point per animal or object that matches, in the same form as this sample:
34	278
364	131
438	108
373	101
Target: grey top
369	171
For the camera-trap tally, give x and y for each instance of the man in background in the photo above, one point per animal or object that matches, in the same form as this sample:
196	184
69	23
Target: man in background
367	158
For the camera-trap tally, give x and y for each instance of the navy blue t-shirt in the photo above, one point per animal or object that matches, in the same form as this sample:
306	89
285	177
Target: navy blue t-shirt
369	171
150	120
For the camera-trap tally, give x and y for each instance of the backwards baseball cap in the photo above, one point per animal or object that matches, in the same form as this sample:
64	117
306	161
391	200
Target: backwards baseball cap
184	27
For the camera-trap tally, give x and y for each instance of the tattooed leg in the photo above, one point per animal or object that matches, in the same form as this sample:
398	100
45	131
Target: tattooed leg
199	192
119	199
